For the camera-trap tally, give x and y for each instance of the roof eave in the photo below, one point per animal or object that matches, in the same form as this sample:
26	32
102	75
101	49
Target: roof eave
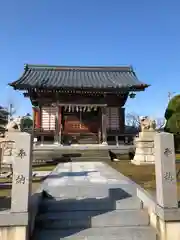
14	83
24	87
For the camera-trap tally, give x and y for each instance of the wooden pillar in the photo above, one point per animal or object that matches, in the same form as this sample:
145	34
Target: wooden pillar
36	117
40	123
39	118
104	125
99	125
121	120
60	122
56	136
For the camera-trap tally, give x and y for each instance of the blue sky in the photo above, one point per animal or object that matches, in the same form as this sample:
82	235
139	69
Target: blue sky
144	34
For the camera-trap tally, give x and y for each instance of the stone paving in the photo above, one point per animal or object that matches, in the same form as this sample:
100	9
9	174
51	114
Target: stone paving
87	198
77	173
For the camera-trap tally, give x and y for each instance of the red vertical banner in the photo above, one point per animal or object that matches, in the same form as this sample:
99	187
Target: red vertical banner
38	114
36	117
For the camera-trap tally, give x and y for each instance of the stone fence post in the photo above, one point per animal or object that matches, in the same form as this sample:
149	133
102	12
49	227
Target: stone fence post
22	171
165	168
167	212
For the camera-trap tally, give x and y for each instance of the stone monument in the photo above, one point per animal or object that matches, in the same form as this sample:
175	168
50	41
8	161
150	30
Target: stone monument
144	143
165	166
7	145
22	171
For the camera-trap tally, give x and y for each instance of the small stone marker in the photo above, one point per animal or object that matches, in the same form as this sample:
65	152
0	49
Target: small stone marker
8	152
165	167
22	172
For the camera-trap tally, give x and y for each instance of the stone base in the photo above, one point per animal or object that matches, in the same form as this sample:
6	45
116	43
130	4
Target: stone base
14	233
140	159
148	135
135	162
144	149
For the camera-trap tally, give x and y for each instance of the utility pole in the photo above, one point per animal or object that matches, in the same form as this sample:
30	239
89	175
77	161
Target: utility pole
170	95
11	111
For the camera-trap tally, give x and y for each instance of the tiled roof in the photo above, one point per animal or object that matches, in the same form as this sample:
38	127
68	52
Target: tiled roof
61	77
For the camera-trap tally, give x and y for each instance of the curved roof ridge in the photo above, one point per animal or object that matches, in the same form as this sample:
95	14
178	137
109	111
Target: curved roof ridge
64	67
57	77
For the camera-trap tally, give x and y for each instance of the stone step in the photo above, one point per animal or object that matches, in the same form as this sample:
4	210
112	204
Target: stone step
88	141
87	219
77	188
106	204
108	233
87	153
90	158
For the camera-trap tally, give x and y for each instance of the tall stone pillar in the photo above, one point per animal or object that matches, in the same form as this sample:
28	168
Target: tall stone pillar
165	168
104	125
22	171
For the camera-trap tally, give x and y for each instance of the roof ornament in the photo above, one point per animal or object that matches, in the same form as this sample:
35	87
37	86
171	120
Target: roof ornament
132	95
25	66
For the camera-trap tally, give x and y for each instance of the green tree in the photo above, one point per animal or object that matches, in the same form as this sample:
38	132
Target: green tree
172	115
26	122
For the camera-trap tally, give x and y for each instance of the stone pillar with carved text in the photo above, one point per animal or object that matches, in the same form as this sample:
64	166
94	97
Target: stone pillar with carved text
22	171
104	125
165	168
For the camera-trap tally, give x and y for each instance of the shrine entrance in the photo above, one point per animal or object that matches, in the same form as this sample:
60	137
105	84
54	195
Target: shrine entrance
81	123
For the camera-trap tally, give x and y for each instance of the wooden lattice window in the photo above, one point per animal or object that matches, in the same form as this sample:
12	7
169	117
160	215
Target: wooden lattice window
48	118
113	118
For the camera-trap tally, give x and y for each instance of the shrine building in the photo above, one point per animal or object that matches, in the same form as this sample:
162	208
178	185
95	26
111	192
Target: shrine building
78	105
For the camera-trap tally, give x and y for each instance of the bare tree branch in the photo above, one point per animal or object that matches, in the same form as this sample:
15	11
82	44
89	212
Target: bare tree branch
133	120
160	122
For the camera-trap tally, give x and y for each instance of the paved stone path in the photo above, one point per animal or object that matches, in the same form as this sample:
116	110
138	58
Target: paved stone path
92	201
